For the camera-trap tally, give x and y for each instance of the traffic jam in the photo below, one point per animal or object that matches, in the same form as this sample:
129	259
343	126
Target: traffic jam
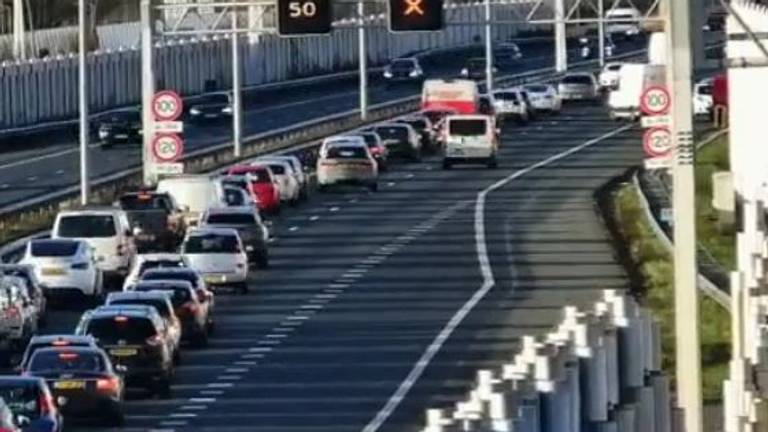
148	269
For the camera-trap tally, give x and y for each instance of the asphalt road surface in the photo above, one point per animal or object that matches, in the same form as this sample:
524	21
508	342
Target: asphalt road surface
380	305
50	162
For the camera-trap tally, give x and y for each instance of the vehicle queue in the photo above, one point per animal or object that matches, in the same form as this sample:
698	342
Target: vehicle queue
170	250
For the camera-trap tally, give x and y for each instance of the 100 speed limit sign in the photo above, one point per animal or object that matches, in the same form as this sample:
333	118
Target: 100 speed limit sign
655	100
167	147
167	106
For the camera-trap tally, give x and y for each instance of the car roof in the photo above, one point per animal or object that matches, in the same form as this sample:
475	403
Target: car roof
230	210
77	349
184	270
164	283
160	257
103	210
134	311
134	295
71	338
468	117
348	144
212	231
20	379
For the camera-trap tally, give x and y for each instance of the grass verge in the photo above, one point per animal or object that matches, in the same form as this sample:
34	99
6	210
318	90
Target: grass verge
718	240
653	265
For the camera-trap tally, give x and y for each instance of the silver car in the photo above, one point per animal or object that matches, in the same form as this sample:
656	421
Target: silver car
347	163
579	87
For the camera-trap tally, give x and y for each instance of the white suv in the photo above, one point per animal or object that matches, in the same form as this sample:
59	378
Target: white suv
107	231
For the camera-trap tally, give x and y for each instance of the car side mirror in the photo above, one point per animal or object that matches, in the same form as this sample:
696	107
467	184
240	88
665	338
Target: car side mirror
22	421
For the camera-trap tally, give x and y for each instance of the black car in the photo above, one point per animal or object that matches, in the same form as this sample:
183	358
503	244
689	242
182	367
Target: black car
475	69
193	310
134	337
159	220
249	226
400	140
423	126
211	107
31	403
403	70
376	146
121	127
83	382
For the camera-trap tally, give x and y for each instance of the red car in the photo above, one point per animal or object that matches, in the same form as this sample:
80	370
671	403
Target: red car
263	185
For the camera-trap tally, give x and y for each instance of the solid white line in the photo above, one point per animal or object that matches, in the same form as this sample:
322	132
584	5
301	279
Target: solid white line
488	282
391	184
283	329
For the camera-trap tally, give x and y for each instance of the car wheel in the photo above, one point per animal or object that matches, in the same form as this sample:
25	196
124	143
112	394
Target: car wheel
262	261
242	288
201	338
162	388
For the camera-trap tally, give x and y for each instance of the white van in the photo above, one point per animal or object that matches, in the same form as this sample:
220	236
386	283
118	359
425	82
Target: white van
194	193
624	99
107	231
471	139
629	28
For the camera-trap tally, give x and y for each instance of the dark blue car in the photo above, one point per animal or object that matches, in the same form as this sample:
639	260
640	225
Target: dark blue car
31	402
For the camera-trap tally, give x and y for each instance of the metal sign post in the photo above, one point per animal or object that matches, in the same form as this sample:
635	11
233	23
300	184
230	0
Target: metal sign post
237	105
488	49
363	62
147	92
85	186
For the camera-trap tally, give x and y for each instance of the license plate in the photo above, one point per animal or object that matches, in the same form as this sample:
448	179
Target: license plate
215	278
54	271
121	136
146	237
210	116
123	352
69	385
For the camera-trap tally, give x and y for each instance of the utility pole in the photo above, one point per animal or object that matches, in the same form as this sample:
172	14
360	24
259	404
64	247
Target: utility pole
147	91
601	30
237	103
561	48
488	49
85	186
688	355
363	60
19	42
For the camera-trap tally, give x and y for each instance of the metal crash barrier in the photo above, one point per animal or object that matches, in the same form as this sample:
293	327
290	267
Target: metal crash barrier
599	370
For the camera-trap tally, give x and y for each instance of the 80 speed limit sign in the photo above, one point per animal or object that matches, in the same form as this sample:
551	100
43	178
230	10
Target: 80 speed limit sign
167	147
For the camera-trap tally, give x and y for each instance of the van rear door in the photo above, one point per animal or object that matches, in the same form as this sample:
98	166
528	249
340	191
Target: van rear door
469	138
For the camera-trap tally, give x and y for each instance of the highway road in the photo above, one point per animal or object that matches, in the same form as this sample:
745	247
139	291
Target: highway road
46	164
379	305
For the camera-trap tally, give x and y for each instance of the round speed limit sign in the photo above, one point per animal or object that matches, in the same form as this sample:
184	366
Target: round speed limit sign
167	147
655	100
657	142
167	106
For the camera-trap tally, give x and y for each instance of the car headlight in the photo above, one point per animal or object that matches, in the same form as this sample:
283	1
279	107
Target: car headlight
249	248
464	72
414	73
227	110
194	111
103	133
387	74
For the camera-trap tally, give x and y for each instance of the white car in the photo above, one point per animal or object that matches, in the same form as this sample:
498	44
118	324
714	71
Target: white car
609	76
702	97
65	266
298	172
218	255
509	103
544	97
290	189
194	193
339	139
347	163
18	318
150	261
470	139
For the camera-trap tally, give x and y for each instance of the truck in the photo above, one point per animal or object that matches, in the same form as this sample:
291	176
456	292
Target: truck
157	219
454	95
634	78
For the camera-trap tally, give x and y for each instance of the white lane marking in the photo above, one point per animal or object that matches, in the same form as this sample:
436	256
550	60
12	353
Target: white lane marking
318	300
333	290
60	172
219	385
326	296
269	342
353	275
5	186
353	200
335	285
183	415
311	306
298	317
31	178
347	281
293	228
202	400
410	175
291	323
252	356
236	370
390	184
314	218
276	336
334	209
229	378
283	329
259	349
193	408
245	363
167	423
488	281
211	392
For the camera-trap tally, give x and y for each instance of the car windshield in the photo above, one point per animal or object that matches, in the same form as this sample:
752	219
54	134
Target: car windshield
370	140
178	294
435	116
214	99
506	96
467	127
53	248
141	202
67	361
613	67
230	219
188	276
161	306
476	64
347	152
577	79
254	174
392	132
417	124
21	398
705	89
402	64
211	243
87	226
125	117
537	89
112	329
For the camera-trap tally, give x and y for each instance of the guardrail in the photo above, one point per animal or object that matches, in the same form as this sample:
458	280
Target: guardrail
27	217
599	370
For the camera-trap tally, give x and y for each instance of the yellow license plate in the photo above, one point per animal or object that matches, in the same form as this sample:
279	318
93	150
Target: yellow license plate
53	271
123	352
69	385
215	279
